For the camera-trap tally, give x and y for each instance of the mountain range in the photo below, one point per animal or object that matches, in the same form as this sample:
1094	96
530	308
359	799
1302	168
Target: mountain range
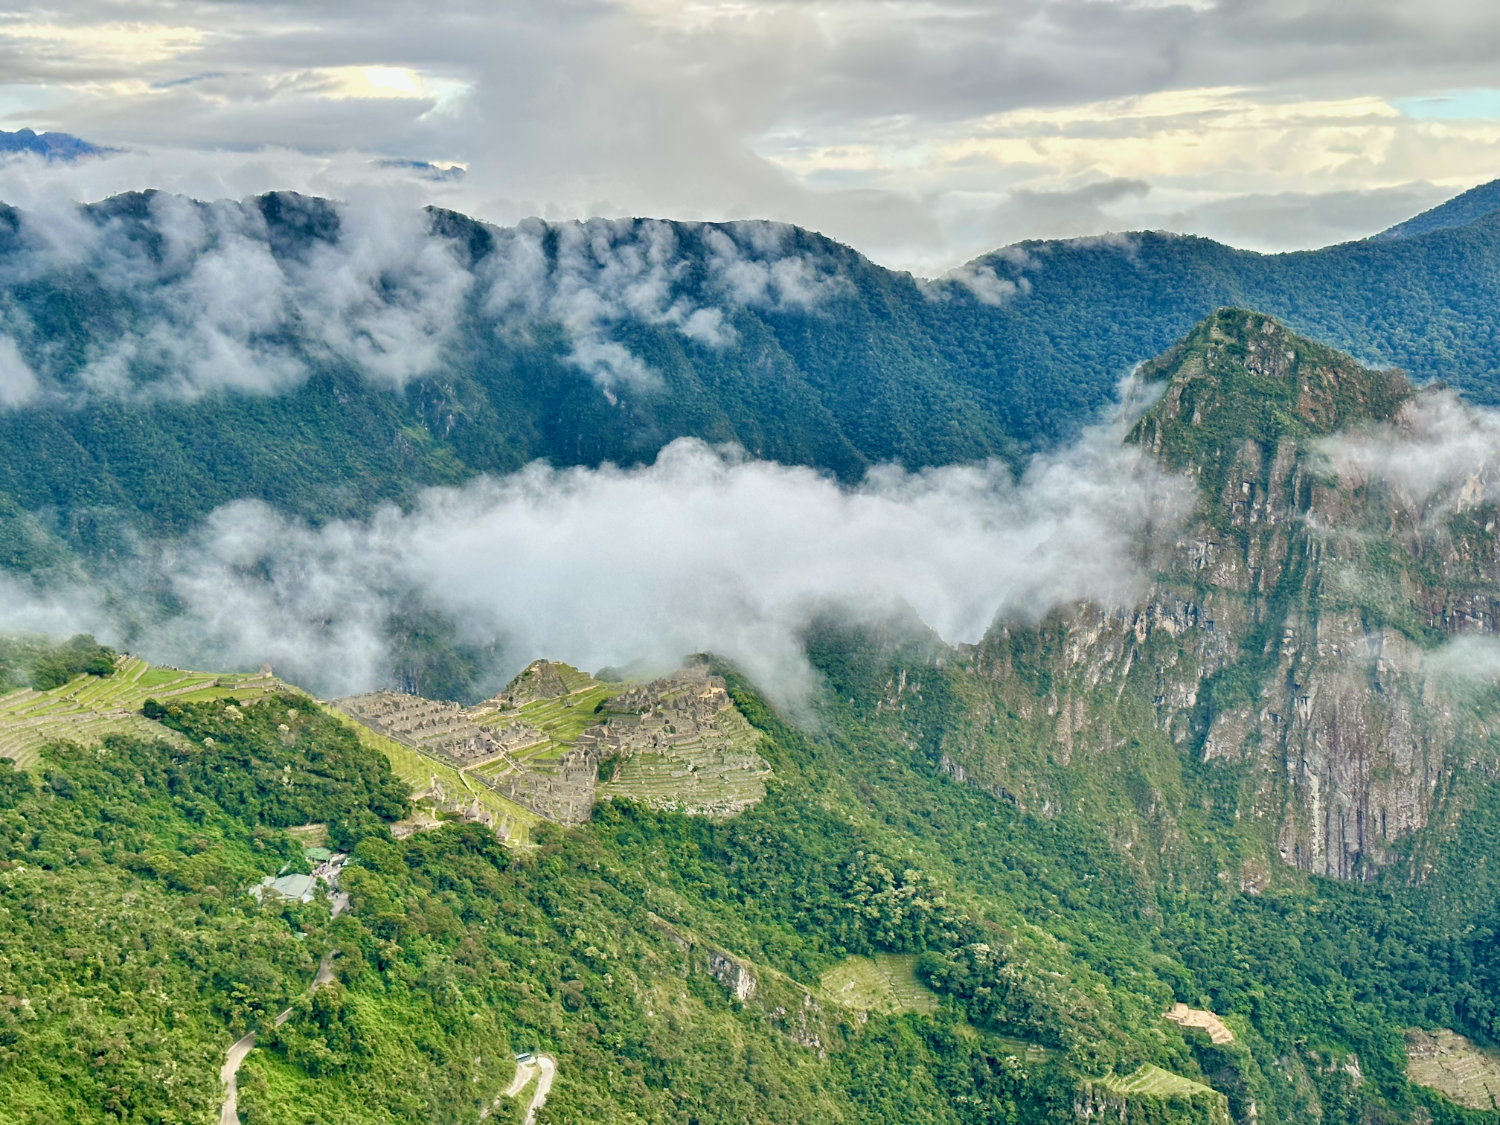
1202	828
162	357
49	146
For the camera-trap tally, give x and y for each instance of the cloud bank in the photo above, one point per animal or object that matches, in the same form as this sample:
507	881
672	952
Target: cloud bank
924	133
1442	454
704	550
251	295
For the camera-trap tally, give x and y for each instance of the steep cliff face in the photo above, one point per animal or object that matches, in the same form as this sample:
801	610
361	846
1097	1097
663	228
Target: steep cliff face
1279	677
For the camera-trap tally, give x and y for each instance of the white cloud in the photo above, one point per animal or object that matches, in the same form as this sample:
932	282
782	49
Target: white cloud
987	286
214	297
1440	455
1467	661
18	382
592	275
703	550
218	307
923	133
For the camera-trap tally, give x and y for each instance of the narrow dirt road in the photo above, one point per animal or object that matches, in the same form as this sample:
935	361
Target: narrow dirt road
229	1114
547	1066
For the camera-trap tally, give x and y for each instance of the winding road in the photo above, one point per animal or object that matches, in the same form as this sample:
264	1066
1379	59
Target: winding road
229	1072
547	1066
543	1068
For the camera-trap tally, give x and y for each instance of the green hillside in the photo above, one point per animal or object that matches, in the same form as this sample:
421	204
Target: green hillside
869	366
619	948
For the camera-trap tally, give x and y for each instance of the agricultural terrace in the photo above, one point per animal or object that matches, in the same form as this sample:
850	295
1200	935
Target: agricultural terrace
87	708
886	983
562	718
1453	1066
1155	1082
420	771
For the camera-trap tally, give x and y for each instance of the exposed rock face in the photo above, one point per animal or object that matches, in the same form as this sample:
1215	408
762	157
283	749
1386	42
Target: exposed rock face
1290	633
733	974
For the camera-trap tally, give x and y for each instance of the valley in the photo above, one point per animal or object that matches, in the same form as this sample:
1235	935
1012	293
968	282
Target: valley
1219	854
750	562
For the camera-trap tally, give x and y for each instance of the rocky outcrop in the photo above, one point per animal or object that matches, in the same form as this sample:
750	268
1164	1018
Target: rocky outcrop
1290	633
732	973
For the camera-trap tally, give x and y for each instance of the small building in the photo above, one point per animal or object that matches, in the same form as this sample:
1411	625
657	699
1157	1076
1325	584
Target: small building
292	888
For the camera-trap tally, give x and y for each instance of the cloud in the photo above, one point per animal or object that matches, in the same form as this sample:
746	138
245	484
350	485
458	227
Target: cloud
589	276
982	281
703	550
18	384
252	295
195	298
1466	662
923	133
1441	454
63	610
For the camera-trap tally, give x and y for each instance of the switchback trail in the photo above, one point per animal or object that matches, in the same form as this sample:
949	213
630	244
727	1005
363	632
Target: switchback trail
229	1072
545	1068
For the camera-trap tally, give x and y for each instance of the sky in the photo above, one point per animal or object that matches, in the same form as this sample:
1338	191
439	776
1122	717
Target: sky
920	132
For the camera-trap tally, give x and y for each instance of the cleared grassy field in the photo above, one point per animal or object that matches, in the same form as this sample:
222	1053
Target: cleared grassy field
1153	1081
88	708
567	716
884	983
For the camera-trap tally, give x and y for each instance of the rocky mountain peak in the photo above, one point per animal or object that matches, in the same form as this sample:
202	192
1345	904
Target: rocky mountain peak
1242	379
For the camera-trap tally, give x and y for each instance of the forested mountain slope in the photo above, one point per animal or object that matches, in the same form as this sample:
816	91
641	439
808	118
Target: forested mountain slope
160	357
1077	870
1463	209
1312	648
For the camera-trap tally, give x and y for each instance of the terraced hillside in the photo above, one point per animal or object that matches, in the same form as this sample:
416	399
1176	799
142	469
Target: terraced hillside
444	788
87	708
1453	1066
704	760
886	983
1171	1097
557	740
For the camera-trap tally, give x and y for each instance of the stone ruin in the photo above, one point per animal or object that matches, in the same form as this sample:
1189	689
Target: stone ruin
443	730
686	722
562	790
463	806
664	717
667	712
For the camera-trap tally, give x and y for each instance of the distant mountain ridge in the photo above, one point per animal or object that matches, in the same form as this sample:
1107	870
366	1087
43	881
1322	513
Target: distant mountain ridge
1471	206
52	146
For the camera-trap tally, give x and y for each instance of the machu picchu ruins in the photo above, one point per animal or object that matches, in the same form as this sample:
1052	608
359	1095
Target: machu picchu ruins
440	729
677	742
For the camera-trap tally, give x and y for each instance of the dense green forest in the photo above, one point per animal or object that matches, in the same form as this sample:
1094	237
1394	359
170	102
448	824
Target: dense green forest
134	955
865	367
40	663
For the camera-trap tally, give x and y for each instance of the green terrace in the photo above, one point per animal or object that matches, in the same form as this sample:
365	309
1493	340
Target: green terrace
87	708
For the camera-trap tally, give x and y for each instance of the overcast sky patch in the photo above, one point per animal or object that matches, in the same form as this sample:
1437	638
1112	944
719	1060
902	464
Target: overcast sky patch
922	133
